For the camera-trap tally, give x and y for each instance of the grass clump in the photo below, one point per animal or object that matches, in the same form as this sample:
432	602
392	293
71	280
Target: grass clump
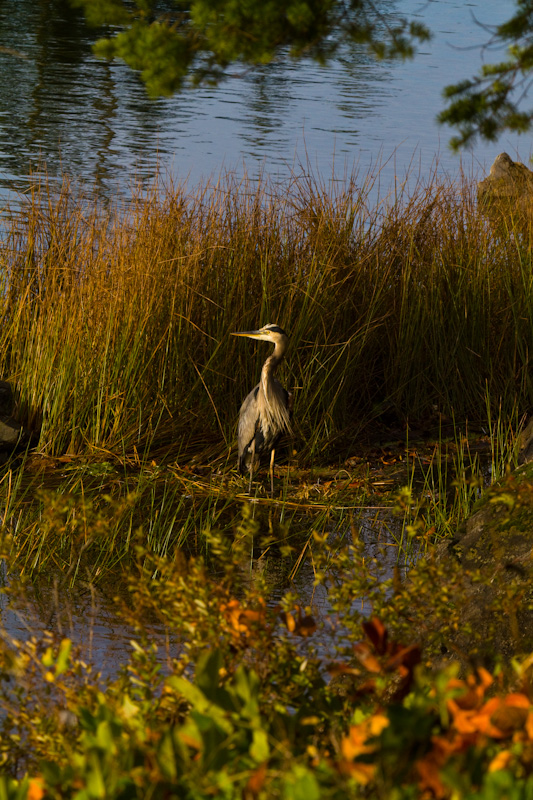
115	321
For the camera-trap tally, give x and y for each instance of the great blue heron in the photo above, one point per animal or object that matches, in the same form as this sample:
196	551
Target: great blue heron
264	415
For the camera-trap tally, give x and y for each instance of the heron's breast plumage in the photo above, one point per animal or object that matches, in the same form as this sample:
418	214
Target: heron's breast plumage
262	420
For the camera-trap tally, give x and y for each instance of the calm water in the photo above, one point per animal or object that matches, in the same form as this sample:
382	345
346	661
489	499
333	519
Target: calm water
62	108
88	616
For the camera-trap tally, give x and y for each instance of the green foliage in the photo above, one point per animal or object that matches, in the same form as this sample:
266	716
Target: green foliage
158	53
169	42
488	104
250	715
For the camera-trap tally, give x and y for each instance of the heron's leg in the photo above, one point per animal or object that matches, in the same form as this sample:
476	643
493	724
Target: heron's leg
251	465
272	457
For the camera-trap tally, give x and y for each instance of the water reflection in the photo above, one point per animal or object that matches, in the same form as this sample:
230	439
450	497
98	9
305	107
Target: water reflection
89	615
88	618
61	107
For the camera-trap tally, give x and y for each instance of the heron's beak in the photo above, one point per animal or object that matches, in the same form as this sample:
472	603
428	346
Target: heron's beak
250	334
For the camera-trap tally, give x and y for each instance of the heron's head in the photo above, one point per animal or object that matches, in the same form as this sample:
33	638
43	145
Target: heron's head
268	333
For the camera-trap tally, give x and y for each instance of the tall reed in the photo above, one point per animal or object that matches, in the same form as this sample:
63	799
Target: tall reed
115	320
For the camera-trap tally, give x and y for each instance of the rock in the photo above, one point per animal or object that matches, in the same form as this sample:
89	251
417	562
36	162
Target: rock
508	188
12	434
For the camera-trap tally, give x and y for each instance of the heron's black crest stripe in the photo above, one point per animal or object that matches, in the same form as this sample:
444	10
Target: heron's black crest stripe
276	329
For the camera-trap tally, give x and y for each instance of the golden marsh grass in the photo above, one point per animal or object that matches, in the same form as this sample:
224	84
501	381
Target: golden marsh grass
115	321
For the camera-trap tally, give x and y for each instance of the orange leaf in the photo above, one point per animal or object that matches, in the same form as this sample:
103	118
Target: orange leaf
463	720
500	761
468	701
485	677
497	718
241	619
377	633
428	773
355	743
290	622
529	725
408	657
35	789
255	781
361	773
517	699
508	714
377	723
446	746
248	617
366	658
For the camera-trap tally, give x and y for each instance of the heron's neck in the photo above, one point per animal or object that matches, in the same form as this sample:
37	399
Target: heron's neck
273	410
270	366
